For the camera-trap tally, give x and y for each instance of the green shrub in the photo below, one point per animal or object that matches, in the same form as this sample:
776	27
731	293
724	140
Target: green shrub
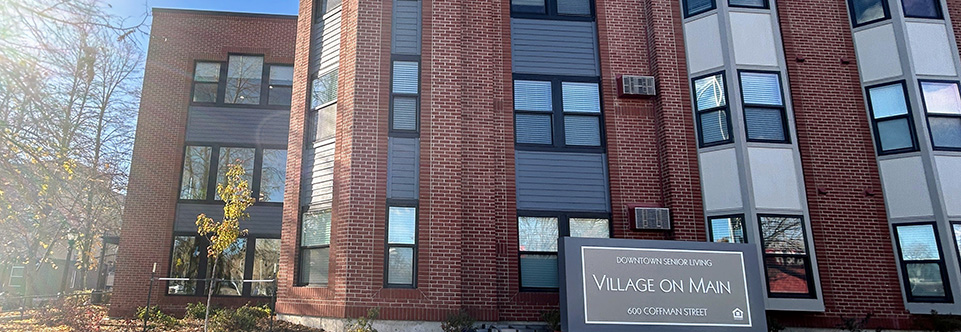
938	322
458	322
241	319
157	317
552	318
364	324
198	310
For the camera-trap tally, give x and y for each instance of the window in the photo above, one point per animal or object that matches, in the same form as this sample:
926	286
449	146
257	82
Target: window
786	260
694	7
922	8
404	96
196	173
728	229
749	3
537	245
280	85
764	113
265	266
232	156
230	269
16	277
922	265
244	76
315	248
957	237
710	103
206	82
184	263
942	103
273	175
323	90
401	246
322	124
891	118
554	9
868	11
322	7
537	110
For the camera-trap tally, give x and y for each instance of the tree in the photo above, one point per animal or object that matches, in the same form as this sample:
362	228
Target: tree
222	234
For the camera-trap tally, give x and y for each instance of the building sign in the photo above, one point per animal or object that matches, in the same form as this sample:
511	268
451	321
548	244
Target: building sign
621	285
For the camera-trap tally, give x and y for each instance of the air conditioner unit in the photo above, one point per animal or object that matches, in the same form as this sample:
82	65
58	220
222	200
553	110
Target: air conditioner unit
630	86
652	219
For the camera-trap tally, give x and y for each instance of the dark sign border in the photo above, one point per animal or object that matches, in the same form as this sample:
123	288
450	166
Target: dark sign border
572	295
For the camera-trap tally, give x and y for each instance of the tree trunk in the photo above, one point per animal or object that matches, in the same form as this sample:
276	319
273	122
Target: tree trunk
210	291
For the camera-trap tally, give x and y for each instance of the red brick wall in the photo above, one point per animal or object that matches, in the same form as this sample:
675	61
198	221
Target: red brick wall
177	38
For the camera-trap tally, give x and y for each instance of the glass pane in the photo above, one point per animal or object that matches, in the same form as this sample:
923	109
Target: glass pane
782	235
762	89
590	227
787	275
315	229
582	130
401	225
230	268
184	263
957	237
323	89
574	7
537	233
709	92
326	122
695	7
205	92
765	124
195	176
922	8
888	101
534	129
532	96
266	263
207	72
941	98
528	6
332	4
895	134
314	264
405	77
925	279
581	97
749	3
727	229
918	242
405	113
273	175
244	76
945	132
400	266
867	10
279	95
232	156
539	271
281	75
714	127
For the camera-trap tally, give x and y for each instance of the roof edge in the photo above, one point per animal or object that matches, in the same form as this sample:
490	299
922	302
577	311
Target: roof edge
221	13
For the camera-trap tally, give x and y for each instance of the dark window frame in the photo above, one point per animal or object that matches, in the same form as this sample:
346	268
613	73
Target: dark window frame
726	108
938	9
902	265
222	84
928	116
854	17
214	166
710	226
688	14
766	5
402	203
550	12
557	113
806	258
563	229
415	133
203	264
299	269
269	89
874	120
785	122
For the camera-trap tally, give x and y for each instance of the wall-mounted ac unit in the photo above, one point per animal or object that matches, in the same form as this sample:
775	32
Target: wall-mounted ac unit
652	219
630	86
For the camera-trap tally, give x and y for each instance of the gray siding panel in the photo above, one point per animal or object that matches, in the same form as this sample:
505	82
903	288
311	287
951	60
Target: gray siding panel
403	159
405	27
264	220
560	181
230	125
317	186
553	47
